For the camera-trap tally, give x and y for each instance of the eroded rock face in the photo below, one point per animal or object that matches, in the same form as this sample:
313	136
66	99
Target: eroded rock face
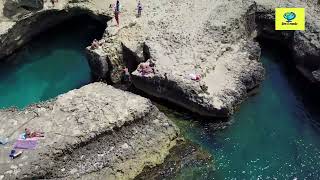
216	43
96	132
13	7
212	43
16	33
98	63
305	45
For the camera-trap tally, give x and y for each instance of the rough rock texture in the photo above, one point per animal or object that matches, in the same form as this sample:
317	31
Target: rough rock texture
305	45
98	63
17	31
205	37
96	132
210	38
184	155
192	37
13	7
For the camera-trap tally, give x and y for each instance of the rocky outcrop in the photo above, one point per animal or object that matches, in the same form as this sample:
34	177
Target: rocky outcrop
179	45
13	7
17	33
98	63
218	52
305	45
96	132
216	43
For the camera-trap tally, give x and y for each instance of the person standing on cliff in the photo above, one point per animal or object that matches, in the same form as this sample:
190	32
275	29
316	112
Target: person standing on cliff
117	11
139	7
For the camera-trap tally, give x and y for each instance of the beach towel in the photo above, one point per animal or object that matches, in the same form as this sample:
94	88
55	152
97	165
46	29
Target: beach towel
29	143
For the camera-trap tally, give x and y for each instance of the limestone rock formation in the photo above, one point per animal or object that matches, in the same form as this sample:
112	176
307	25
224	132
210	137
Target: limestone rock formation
14	33
98	63
12	7
179	44
211	39
96	132
305	45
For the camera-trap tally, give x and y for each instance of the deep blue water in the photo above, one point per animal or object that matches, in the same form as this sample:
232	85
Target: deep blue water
52	64
274	135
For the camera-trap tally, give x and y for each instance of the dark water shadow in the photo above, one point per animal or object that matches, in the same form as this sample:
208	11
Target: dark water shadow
304	90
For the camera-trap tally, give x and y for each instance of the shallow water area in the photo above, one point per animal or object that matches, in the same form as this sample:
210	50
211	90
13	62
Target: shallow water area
274	135
52	64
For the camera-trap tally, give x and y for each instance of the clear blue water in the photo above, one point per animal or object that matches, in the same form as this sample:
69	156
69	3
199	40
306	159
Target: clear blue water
52	64
274	135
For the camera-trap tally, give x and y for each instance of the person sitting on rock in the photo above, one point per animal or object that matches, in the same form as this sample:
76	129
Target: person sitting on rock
95	44
145	68
30	134
195	77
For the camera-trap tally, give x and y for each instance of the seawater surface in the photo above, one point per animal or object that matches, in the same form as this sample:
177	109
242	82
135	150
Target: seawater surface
274	135
52	64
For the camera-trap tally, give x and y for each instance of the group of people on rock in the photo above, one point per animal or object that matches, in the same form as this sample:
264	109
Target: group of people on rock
145	68
117	7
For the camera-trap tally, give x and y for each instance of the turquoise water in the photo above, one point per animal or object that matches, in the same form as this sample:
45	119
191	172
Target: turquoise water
52	64
274	135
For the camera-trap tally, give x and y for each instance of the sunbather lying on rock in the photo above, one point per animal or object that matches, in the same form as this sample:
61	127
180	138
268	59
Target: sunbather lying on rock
30	134
195	77
145	68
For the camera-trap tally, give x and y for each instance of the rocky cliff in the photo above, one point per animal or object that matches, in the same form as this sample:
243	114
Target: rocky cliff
18	30
181	39
185	38
213	39
304	45
96	132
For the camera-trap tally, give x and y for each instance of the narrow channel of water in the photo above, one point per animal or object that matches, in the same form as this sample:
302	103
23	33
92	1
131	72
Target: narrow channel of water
52	64
274	135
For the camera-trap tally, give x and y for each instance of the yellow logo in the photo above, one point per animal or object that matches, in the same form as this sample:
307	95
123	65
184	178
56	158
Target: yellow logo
290	19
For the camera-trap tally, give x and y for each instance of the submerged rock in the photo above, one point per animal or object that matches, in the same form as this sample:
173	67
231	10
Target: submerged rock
183	157
95	132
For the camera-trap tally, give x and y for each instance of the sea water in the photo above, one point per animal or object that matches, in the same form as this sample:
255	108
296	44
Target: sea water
52	64
274	135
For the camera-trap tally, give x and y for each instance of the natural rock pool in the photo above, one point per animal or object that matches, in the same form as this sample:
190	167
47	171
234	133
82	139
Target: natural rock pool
52	64
274	135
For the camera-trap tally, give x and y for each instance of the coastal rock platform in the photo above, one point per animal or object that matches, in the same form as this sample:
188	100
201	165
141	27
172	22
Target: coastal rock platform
93	132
